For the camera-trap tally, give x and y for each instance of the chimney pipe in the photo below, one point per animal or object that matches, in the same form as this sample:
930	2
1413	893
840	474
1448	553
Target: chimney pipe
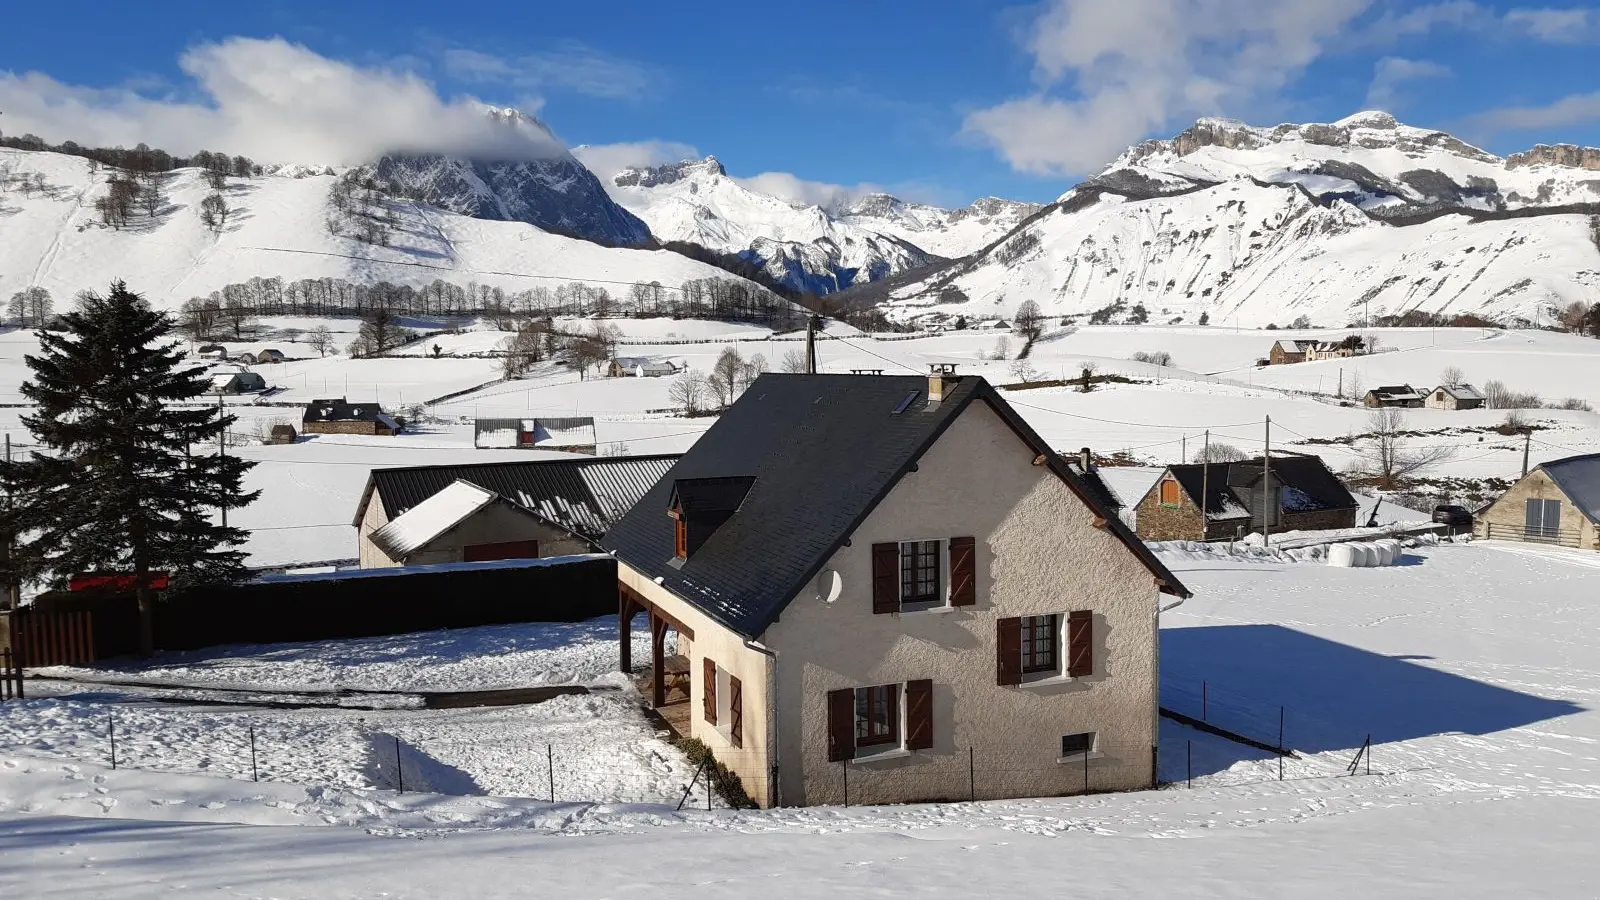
812	325
1085	459
941	377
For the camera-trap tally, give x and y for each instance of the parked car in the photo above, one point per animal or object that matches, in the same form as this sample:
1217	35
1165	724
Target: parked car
1457	517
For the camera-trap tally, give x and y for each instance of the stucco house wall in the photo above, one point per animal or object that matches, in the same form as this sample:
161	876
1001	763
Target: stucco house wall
1037	553
495	523
752	761
1509	513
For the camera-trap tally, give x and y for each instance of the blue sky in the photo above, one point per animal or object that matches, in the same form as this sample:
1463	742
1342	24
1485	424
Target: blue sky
944	100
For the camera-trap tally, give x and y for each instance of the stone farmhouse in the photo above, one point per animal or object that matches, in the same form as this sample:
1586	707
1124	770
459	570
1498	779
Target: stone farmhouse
1308	497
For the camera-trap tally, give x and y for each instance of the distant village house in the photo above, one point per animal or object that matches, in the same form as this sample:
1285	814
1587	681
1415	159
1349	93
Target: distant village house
1455	397
1402	396
574	434
1288	351
641	367
1304	495
236	381
270	355
341	417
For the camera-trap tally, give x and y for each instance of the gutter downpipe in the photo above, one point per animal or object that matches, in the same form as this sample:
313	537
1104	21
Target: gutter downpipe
772	718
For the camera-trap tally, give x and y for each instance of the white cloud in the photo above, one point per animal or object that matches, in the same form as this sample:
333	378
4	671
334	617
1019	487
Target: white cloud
606	160
1132	66
1391	72
1557	26
572	66
1574	109
273	101
794	189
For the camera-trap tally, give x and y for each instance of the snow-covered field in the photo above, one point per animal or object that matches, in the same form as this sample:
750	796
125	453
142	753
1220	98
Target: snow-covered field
1479	696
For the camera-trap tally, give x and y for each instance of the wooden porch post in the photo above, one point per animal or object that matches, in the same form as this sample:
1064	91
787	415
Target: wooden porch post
658	643
625	630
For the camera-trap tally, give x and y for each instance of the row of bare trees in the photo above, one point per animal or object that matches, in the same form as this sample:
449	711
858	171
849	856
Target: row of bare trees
697	392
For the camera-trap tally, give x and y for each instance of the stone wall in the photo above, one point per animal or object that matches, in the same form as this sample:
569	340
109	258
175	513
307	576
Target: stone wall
1320	520
344	428
1159	522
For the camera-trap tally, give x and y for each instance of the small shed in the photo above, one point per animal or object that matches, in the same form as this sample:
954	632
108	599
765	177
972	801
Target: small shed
283	434
236	381
1455	396
1397	395
641	367
270	355
245	359
573	434
216	350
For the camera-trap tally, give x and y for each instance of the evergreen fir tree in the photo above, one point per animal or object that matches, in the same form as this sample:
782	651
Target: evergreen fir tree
127	482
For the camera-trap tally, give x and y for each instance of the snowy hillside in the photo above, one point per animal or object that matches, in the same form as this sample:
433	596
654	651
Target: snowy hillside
802	246
278	227
1266	225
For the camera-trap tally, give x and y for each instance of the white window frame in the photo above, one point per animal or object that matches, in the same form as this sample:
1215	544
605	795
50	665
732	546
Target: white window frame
878	752
941	603
1058	675
1092	753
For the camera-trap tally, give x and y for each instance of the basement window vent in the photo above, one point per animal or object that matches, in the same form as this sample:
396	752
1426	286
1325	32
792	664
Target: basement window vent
909	399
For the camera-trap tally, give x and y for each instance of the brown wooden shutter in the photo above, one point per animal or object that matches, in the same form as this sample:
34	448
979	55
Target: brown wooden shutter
963	571
1008	651
886	578
919	714
841	724
709	676
735	711
1080	644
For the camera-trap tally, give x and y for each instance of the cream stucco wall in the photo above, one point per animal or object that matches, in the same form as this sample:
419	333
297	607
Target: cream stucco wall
494	523
751	762
1038	553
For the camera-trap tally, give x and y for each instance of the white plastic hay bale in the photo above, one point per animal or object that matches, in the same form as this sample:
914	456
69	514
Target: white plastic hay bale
1392	551
1342	555
1366	555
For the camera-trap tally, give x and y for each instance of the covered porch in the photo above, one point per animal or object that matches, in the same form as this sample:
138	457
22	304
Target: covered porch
666	679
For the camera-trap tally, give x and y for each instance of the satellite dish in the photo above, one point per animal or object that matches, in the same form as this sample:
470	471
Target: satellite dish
830	584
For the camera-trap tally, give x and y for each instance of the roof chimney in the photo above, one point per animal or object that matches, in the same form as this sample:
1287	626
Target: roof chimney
941	378
1085	459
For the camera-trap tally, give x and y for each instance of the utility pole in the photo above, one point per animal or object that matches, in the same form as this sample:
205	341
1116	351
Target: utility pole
1340	395
812	324
222	450
1183	449
1205	485
1268	495
1527	442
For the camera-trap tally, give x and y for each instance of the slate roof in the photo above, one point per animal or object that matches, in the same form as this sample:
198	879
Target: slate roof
1579	478
1461	391
1095	484
582	495
1396	392
819	453
338	410
1311	485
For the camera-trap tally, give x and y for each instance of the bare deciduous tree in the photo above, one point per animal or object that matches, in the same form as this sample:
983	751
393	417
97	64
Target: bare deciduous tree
1154	358
1022	371
1385	453
1086	372
214	212
1219	453
321	340
794	362
1451	376
689	391
1029	321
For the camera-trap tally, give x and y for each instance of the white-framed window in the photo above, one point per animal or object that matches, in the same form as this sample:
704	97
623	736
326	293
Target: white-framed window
1079	746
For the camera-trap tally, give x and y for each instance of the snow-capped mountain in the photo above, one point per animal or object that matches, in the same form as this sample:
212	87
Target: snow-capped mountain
52	237
802	246
555	193
950	233
1261	225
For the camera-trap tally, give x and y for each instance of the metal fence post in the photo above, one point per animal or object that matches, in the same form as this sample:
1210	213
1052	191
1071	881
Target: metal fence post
972	775
550	760
1280	743
1086	770
844	766
1369	754
1189	753
111	730
255	774
399	772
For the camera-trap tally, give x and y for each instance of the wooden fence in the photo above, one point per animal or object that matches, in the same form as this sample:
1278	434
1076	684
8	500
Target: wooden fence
51	638
10	676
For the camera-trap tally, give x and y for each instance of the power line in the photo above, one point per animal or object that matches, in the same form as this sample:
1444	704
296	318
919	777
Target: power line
1183	428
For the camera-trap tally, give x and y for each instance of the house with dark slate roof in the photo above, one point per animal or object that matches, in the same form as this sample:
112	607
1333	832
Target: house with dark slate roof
422	515
1557	503
336	416
1306	496
882	585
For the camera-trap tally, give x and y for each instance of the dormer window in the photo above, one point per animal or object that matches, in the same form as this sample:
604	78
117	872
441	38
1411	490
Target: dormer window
681	539
699	506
